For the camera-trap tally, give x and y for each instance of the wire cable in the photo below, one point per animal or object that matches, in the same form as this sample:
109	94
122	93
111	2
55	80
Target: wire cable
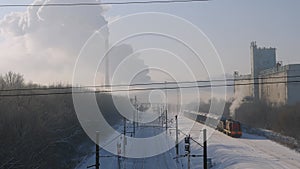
147	84
99	3
143	89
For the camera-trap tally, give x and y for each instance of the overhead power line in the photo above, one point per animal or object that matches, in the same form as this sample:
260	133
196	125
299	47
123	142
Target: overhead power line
145	89
99	3
148	84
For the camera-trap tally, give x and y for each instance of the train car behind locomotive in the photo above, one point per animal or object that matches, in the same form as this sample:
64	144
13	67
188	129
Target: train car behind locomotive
228	126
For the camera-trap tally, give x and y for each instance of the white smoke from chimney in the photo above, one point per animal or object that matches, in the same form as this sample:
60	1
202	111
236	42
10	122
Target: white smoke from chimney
239	95
43	42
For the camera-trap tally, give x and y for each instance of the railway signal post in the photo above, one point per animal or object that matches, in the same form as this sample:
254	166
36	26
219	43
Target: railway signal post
187	148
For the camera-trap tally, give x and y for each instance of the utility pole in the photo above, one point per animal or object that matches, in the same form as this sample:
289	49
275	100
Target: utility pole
176	143
159	114
166	94
166	120
119	162
97	159
162	120
107	74
124	137
119	152
97	164
137	115
178	101
134	114
204	149
189	161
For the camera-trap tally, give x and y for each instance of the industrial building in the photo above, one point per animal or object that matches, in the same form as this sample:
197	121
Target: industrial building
269	80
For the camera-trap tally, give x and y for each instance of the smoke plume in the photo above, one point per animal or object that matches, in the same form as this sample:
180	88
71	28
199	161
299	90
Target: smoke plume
43	42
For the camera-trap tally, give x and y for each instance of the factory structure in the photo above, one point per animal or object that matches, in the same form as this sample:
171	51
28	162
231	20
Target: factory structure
269	81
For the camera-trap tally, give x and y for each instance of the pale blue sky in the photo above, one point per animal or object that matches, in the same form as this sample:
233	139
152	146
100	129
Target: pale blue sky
4	11
230	24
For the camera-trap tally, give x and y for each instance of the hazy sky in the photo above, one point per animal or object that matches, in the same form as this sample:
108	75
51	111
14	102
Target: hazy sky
233	24
230	24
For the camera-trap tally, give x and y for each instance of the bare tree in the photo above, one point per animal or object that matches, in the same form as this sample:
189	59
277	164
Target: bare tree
13	80
2	82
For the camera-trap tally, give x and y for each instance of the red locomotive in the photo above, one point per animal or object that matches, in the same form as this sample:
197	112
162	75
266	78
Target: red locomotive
230	127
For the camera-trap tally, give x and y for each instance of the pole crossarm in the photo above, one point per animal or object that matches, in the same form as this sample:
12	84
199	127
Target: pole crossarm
196	155
180	156
191	138
109	156
91	166
192	155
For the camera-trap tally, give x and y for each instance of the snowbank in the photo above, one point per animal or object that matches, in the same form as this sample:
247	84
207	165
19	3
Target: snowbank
277	137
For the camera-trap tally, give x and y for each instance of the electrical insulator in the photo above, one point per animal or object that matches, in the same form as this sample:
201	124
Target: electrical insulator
187	140
119	151
187	147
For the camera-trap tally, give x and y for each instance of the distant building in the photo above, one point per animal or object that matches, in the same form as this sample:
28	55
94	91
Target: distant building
261	59
268	79
279	91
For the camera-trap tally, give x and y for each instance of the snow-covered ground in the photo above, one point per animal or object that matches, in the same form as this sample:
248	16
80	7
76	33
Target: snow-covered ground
250	151
271	135
161	161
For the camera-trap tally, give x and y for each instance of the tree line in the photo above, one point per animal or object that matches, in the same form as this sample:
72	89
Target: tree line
43	131
257	114
283	119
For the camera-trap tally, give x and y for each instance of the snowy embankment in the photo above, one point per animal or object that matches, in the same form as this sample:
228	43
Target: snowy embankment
250	151
277	137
